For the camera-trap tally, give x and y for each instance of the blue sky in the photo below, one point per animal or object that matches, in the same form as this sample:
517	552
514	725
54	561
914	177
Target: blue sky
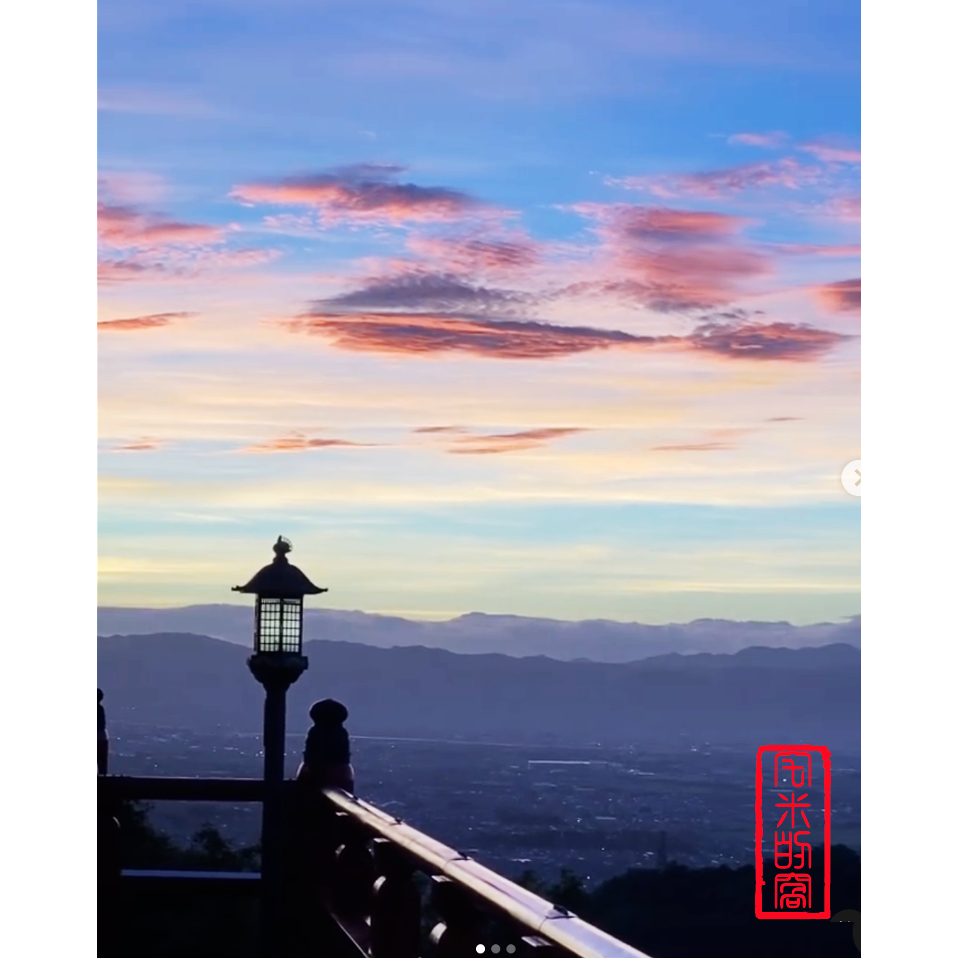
518	307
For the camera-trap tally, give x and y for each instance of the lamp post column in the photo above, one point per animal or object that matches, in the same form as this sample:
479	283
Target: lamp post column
273	838
276	663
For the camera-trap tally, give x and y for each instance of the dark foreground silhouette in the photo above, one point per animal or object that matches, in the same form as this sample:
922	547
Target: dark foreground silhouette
674	912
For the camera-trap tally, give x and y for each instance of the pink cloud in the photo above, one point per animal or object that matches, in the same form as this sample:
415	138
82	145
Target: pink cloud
786	173
810	249
841	297
179	263
133	186
846	208
477	254
424	335
660	223
122	271
152	321
769	141
365	193
669	259
788	341
827	153
125	227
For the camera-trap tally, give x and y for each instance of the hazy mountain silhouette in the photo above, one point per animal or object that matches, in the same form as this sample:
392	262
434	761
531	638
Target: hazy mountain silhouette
598	640
754	697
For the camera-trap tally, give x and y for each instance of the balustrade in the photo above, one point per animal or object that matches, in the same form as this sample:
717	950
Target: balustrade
357	874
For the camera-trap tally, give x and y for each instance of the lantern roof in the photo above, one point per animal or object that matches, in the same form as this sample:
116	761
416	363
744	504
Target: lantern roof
279	579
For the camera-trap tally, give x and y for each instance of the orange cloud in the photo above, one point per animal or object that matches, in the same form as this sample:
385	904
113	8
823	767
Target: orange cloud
362	193
141	322
509	441
841	297
142	445
299	443
695	447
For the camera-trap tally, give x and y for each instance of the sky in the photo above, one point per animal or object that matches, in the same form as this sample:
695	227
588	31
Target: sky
532	307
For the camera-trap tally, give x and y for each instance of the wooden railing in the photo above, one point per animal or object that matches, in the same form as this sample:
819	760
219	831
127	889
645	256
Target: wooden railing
360	882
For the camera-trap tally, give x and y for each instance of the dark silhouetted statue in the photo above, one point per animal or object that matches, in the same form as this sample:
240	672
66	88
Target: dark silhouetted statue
326	759
102	739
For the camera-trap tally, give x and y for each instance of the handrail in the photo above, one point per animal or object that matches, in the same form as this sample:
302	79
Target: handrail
162	789
555	924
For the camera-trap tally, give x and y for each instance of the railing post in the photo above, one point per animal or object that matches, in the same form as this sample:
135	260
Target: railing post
109	865
396	914
353	873
460	929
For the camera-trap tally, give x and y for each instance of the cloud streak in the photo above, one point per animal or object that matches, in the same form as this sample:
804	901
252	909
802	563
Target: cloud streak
770	141
422	334
365	193
478	254
828	153
133	323
140	445
425	335
126	227
297	442
499	443
442	293
787	173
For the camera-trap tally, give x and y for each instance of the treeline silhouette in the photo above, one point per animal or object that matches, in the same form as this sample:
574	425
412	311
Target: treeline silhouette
671	912
679	912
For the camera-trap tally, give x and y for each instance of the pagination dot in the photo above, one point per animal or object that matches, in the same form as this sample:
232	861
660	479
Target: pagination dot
511	949
480	949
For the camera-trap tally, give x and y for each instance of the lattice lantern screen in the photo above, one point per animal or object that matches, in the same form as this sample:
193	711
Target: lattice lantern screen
279	625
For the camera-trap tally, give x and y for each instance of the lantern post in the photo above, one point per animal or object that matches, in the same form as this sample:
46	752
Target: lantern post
276	663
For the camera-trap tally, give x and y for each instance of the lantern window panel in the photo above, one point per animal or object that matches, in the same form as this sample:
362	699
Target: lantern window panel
291	625
280	625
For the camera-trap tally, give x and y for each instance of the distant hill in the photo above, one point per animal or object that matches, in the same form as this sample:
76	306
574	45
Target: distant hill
754	697
597	640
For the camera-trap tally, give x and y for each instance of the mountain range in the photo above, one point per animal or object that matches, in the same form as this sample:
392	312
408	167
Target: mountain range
598	640
756	696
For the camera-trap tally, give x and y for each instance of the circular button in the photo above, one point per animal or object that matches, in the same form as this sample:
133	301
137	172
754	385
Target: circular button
852	478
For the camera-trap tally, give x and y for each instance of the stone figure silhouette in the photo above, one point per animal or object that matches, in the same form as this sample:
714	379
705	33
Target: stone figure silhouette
102	739
326	758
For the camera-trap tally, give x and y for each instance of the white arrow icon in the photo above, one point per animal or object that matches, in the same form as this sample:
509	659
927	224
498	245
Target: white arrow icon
852	478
